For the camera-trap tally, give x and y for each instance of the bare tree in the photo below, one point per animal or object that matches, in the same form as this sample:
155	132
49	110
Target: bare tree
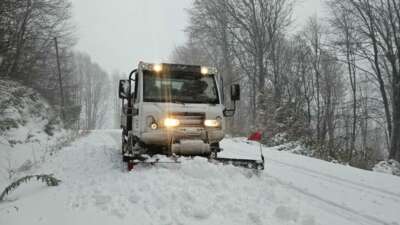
347	40
27	30
94	89
333	91
377	29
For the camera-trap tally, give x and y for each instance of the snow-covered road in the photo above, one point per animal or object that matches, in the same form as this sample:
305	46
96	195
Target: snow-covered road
292	189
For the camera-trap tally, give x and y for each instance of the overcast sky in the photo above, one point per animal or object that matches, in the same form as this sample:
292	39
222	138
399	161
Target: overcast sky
117	34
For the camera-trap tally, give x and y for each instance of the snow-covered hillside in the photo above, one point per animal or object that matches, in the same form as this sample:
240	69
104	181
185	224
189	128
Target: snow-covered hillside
96	189
29	128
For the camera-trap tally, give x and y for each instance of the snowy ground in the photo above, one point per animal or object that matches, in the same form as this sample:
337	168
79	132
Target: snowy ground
293	189
29	129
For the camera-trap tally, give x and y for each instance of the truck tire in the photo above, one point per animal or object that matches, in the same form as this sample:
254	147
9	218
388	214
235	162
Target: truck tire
123	141
123	146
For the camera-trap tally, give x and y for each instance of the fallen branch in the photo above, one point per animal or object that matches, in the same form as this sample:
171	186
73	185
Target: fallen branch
45	178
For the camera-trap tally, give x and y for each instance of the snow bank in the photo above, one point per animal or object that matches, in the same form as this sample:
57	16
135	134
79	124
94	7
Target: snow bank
390	167
29	129
295	148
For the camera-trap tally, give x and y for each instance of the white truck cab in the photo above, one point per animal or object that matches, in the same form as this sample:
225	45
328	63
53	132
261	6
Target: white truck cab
173	109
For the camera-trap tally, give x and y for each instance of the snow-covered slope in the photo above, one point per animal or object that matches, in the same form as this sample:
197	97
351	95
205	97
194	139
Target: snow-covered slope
29	128
293	189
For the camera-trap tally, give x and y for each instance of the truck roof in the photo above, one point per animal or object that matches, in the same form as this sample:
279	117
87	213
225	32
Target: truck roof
177	67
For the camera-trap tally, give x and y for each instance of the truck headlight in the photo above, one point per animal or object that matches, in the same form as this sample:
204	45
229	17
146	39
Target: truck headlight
154	126
212	123
171	122
204	70
157	68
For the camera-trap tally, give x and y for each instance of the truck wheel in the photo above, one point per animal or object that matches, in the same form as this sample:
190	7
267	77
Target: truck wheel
123	145
130	144
123	141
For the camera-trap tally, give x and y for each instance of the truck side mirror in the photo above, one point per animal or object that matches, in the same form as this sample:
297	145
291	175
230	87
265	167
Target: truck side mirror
124	89
235	96
235	92
228	112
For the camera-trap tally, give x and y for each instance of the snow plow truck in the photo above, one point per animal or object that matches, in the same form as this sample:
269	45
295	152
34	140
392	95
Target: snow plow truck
175	110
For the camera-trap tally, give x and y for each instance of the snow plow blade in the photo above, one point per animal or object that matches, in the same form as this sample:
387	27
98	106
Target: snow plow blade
245	163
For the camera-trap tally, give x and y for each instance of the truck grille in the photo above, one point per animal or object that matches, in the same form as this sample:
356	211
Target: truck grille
189	119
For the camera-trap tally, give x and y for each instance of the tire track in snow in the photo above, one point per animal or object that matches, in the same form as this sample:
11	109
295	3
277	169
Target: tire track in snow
347	212
331	207
338	180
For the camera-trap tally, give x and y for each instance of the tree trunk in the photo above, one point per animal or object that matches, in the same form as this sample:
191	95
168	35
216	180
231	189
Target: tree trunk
20	40
395	139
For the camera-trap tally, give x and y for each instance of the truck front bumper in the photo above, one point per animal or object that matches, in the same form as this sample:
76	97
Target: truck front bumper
168	136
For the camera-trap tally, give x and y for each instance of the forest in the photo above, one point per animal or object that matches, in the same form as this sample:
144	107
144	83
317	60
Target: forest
36	48
333	84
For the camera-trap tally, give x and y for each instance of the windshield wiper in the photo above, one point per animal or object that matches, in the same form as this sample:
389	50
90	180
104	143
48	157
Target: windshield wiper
178	102
175	100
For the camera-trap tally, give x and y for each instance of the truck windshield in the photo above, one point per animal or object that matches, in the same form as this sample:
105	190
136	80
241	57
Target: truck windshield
180	88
